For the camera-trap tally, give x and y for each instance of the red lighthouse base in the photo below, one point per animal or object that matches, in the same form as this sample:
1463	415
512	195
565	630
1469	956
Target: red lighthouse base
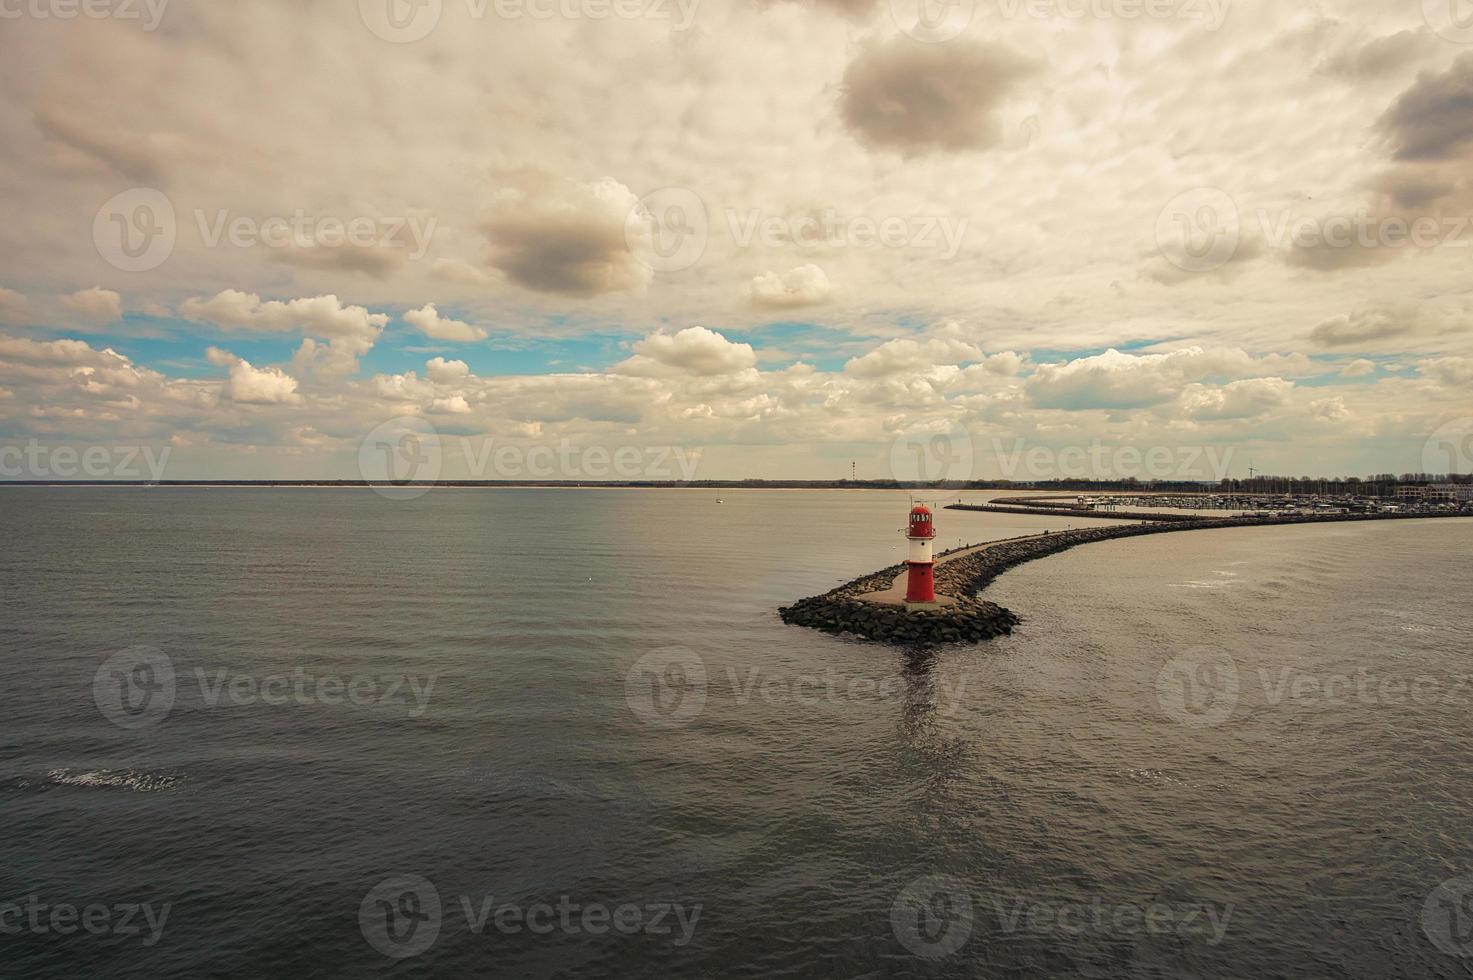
920	585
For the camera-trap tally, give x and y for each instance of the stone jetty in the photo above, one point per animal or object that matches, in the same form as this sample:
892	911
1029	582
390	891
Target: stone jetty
962	573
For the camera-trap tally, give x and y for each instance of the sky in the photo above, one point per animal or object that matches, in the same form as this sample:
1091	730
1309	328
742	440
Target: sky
720	239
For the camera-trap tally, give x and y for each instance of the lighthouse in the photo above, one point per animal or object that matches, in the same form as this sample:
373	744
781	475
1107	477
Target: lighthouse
920	584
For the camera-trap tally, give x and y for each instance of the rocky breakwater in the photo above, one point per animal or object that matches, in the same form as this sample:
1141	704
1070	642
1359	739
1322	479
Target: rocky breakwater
961	574
966	620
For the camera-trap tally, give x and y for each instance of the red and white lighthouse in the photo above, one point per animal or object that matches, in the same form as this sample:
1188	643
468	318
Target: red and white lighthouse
920	584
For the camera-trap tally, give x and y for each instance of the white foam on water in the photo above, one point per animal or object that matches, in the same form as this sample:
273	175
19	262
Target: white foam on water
129	779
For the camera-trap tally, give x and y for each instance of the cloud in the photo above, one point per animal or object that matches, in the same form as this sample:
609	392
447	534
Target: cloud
376	261
134	154
1433	119
903	355
1382	56
1455	372
1362	327
555	236
453	405
1358	368
1345	249
13	306
441	371
692	351
319	316
351	331
1116	380
96	306
919	98
1410	190
1248	398
804	286
260	386
427	320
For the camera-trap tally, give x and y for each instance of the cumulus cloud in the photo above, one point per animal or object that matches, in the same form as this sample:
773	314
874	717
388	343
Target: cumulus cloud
441	371
1433	119
807	285
428	321
692	351
350	330
556	236
1116	380
260	386
918	98
1358	368
319	316
1248	398
902	355
96	306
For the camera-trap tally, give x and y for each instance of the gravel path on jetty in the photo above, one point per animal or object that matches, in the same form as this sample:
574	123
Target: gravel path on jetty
963	573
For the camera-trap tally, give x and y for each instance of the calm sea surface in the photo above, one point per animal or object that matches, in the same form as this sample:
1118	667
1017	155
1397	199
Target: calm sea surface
562	733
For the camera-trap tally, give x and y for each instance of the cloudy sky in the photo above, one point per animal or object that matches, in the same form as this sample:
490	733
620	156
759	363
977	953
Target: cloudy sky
1001	238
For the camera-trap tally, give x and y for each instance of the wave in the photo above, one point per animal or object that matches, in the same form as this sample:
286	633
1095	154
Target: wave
133	780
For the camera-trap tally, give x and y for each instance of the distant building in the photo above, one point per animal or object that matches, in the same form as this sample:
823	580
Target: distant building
1436	493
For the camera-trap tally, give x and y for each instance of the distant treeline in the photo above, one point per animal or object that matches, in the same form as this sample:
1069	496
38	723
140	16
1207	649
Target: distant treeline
1384	484
1379	485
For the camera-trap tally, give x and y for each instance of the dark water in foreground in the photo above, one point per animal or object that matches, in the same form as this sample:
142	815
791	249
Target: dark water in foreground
557	733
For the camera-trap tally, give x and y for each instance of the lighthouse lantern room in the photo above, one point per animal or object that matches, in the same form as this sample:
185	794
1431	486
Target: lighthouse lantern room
920	584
